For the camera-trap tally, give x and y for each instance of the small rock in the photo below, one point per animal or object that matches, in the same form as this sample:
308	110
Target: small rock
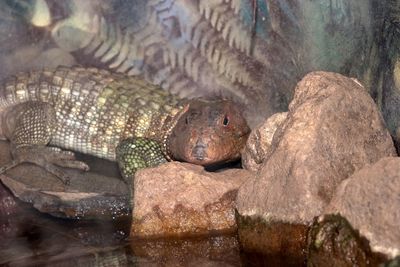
9	209
180	198
392	263
333	128
8	203
370	201
259	142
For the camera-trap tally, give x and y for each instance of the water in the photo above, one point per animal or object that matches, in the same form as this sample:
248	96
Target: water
30	238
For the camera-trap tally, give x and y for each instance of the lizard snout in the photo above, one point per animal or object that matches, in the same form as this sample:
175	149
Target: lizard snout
199	151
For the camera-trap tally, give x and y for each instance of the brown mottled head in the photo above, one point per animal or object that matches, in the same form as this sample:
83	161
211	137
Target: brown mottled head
209	133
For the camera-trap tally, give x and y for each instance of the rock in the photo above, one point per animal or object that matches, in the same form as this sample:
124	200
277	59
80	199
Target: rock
392	263
333	129
333	242
90	195
260	140
179	198
370	201
9	208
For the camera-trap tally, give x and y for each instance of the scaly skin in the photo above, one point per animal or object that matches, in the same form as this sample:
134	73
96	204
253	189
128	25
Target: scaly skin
115	117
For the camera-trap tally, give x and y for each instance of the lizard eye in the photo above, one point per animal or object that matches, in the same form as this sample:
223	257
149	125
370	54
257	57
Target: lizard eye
226	121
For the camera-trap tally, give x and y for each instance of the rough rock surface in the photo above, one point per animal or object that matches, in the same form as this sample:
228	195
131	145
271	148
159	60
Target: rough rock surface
259	142
370	201
333	129
179	198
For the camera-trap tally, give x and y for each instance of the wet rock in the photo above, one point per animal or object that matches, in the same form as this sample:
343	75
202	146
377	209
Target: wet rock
259	142
370	201
90	195
333	242
179	198
392	263
9	209
8	203
333	129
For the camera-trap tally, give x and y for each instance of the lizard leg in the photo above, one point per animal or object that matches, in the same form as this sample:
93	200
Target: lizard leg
137	153
30	126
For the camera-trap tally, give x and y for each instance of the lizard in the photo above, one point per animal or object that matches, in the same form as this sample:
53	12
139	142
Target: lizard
47	114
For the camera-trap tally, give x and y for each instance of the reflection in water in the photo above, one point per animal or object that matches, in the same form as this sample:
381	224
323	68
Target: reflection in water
207	251
30	238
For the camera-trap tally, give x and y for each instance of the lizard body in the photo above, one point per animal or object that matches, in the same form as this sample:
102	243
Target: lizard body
116	117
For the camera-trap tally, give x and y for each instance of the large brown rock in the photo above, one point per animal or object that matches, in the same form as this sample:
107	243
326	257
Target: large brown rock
370	201
183	199
260	140
333	129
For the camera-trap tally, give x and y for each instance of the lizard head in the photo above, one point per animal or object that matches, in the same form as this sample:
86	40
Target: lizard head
209	133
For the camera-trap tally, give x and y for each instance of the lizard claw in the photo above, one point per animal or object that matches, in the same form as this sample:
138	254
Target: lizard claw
50	159
66	159
56	171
